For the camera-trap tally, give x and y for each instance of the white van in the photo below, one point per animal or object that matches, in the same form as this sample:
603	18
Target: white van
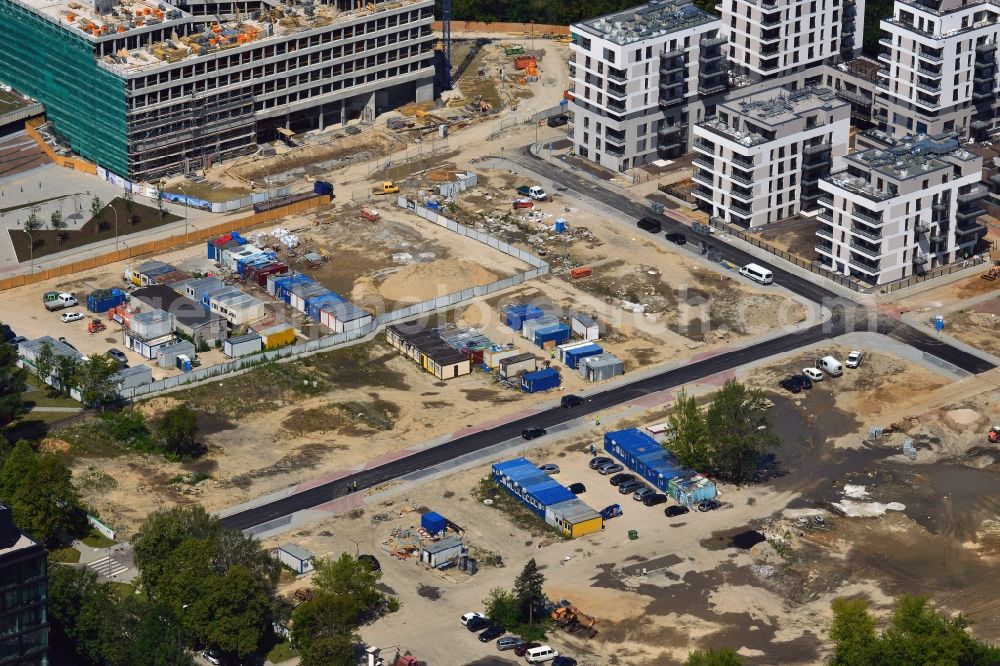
757	273
830	366
540	654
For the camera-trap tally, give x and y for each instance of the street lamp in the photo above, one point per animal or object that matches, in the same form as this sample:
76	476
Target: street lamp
185	212
357	546
115	211
31	249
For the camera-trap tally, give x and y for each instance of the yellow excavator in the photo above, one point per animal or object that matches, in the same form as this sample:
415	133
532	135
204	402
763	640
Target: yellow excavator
568	617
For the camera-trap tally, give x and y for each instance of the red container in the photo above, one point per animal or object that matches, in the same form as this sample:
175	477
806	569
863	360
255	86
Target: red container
581	272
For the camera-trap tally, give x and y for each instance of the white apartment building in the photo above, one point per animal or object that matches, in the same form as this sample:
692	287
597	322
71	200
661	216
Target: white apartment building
640	78
762	157
767	38
939	68
902	210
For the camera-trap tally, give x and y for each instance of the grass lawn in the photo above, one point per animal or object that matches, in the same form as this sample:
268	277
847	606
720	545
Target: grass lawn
102	227
41	395
68	555
122	590
95	539
281	652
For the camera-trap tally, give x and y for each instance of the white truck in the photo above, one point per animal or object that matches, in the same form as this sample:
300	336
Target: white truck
533	192
58	300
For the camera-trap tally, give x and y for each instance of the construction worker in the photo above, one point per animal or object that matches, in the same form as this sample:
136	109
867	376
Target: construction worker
597	421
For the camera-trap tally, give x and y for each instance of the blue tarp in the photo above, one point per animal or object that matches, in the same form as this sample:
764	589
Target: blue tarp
433	522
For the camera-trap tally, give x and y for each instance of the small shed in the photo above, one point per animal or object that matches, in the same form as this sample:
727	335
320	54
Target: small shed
571	354
551	336
146	347
512	365
151	324
443	552
166	356
344	316
198	287
516	315
242	345
296	558
276	335
601	367
585	328
492	357
540	380
433	522
132	376
530	326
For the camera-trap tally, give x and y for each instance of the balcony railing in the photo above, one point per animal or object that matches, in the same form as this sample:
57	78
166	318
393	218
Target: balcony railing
615	76
614	140
824	232
707	146
870	267
826	216
935	88
703	177
739	178
930	57
867	217
867	251
826	201
865	234
704	163
742	196
825	247
816	149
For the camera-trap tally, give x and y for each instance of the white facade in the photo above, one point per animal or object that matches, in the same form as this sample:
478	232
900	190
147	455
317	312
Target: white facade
767	38
939	68
640	77
901	211
761	158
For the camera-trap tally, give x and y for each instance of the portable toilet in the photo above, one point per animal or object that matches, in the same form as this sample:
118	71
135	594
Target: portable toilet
184	363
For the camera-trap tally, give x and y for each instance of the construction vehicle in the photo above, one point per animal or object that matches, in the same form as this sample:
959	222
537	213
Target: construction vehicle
994	434
993	273
303	594
568	617
370	214
95	326
386	187
532	191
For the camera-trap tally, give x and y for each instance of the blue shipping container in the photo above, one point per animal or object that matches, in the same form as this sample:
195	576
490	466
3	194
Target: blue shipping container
433	522
557	333
643	455
322	187
540	380
536	495
101	302
516	315
573	356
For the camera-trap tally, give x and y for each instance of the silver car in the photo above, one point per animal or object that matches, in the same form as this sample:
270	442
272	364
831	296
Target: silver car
508	642
549	468
642	492
613	468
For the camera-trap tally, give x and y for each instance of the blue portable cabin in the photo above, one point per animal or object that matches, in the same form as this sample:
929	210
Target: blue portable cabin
322	187
516	315
556	334
691	489
256	260
300	292
535	489
275	282
316	303
644	456
540	380
283	288
573	356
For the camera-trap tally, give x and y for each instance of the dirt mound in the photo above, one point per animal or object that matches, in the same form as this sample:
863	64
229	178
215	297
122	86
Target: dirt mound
53	445
420	282
962	417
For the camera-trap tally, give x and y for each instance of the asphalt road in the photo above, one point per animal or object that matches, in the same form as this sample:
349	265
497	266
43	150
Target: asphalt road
845	315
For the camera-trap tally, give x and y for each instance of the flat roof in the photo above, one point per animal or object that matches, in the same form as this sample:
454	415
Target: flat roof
23	542
428	342
771	108
187	311
58	348
653	19
298	552
447	543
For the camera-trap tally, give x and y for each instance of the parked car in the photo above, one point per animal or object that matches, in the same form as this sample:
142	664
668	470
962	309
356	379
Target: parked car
677	238
492	632
477	624
612	468
508	643
805	382
792	384
564	661
370	561
619	479
57	301
675	510
654	499
599	461
469	616
577	488
854	359
523	648
71	316
119	355
709	505
549	468
630	487
558	121
569	401
532	433
813	374
650	224
212	656
642	493
611	511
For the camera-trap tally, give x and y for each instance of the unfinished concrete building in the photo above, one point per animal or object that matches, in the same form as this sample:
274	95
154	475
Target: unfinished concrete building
145	88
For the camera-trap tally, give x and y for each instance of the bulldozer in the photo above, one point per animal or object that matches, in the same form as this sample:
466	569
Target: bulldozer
993	273
568	617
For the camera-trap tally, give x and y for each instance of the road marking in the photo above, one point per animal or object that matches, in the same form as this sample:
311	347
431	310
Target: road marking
107	566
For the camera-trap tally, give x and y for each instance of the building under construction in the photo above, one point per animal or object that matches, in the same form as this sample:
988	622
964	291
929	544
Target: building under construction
145	88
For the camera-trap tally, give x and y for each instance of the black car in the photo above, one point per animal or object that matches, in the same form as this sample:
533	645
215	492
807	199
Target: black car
675	510
370	561
650	224
577	488
477	624
805	382
564	661
569	401
709	505
532	433
619	479
677	238
630	487
598	461
791	384
494	632
558	121
654	499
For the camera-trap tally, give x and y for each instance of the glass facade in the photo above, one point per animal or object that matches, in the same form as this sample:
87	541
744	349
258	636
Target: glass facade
24	630
58	68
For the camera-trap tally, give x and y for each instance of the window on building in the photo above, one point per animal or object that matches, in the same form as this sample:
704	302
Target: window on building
609	55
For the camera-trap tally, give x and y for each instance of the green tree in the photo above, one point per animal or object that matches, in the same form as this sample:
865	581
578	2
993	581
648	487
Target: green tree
502	607
57	223
689	440
97	213
714	657
11	385
84	613
178	431
39	490
160	206
164	532
234	612
158	637
323	629
352	578
95	378
852	631
45	361
528	592
336	650
740	431
66	368
32	224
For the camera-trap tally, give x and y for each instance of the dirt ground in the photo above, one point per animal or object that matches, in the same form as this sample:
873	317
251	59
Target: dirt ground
979	325
758	576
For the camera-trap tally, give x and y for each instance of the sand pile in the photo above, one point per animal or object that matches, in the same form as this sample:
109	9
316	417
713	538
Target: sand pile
419	282
962	417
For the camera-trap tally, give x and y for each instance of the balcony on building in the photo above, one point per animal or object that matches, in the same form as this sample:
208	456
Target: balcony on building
929	72
740	209
743	162
710	42
612	149
769	64
986	48
741	194
770	49
771	18
824	231
703	177
920	258
931	55
866	248
669	131
933	87
704	162
672	62
922	227
616	105
972	196
617	75
968	213
703	193
861	230
825	247
711	87
614	138
865	215
864	265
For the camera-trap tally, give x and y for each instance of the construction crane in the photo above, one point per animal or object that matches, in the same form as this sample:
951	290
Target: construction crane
568	617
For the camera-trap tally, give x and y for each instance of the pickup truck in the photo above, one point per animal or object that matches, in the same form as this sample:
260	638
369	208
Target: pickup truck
385	187
57	301
532	191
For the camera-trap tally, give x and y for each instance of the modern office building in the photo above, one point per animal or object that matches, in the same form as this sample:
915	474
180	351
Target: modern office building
901	210
939	68
761	158
145	88
767	38
641	78
24	626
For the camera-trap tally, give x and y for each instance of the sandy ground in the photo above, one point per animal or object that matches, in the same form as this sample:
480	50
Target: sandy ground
703	579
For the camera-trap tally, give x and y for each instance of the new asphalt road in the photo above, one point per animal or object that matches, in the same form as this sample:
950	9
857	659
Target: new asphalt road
845	316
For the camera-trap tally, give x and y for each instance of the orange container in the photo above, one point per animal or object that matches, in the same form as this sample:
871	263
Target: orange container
581	272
